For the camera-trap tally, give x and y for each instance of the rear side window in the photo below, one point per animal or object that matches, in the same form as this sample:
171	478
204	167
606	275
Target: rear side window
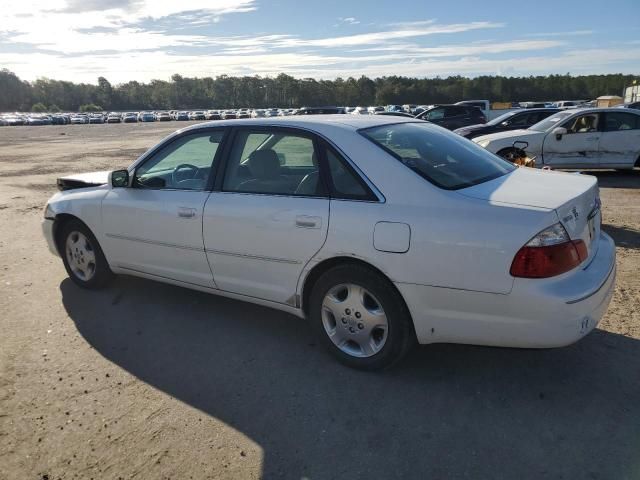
615	122
441	157
345	183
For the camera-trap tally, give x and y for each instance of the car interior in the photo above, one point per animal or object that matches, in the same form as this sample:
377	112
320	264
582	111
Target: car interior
583	124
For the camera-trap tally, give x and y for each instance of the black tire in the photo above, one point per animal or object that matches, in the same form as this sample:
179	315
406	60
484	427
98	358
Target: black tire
400	335
100	273
511	154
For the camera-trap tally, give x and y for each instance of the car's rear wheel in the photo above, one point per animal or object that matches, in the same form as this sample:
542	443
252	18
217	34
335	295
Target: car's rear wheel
361	317
82	256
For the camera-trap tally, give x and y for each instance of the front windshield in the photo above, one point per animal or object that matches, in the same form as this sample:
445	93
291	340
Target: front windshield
438	155
550	122
501	118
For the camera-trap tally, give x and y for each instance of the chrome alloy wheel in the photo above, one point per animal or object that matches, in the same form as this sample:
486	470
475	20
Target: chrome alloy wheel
80	256
354	320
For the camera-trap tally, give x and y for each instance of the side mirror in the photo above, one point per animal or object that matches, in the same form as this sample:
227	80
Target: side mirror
559	132
119	178
506	123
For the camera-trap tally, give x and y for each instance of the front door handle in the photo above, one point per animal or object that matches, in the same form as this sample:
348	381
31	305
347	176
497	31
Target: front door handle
186	212
306	221
591	139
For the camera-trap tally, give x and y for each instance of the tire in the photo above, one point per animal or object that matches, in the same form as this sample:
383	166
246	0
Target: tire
511	154
82	256
348	308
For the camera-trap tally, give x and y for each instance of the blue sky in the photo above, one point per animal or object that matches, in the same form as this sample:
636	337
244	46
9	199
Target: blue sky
152	39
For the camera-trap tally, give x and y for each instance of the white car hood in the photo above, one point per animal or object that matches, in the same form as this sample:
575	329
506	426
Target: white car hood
523	134
532	188
83	180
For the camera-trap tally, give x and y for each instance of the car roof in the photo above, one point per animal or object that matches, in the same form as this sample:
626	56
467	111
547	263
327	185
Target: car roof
346	121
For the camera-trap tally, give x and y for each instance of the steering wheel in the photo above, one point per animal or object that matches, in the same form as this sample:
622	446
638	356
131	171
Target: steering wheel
183	166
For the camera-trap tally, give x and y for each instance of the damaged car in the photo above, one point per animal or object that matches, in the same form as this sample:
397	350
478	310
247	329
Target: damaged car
594	138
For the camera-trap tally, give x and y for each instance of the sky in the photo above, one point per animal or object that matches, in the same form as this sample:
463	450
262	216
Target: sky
123	40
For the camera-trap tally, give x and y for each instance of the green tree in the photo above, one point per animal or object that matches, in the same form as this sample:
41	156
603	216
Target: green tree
39	107
90	107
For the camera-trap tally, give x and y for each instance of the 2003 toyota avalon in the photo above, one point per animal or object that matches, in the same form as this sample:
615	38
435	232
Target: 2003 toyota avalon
381	231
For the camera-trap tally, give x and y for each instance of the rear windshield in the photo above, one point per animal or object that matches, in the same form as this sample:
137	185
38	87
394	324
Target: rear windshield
442	157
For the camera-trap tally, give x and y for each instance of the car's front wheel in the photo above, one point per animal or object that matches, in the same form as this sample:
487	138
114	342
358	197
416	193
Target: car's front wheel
361	317
512	154
82	256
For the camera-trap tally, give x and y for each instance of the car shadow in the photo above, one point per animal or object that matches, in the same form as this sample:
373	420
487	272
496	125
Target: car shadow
616	178
627	237
447	411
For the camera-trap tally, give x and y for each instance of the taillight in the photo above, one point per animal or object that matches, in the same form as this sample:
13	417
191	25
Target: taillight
550	253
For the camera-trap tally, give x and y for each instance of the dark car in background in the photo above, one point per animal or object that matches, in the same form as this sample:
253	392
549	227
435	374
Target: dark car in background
96	118
509	121
453	116
634	105
130	117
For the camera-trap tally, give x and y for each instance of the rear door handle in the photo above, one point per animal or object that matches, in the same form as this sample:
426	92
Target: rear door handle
306	221
186	212
591	139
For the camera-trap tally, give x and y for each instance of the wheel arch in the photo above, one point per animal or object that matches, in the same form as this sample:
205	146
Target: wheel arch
60	221
318	270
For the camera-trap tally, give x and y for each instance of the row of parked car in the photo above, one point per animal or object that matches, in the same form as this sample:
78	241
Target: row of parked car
470	118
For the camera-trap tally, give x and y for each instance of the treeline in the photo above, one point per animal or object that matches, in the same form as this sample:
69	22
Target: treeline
286	91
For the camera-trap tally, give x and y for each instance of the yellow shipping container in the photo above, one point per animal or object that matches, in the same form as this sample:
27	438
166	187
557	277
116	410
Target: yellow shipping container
500	105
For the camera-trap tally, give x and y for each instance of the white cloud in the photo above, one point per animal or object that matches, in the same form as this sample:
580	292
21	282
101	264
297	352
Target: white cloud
348	20
412	51
54	16
388	35
145	66
571	33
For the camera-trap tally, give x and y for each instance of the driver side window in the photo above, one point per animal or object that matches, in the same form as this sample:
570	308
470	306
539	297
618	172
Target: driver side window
582	124
184	164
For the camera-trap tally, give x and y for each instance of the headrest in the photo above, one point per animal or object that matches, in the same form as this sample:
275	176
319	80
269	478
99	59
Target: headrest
264	163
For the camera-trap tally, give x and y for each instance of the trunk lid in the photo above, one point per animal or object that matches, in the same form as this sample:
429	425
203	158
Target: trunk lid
574	197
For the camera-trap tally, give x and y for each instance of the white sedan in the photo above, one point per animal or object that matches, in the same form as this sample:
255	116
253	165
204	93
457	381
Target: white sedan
581	138
381	231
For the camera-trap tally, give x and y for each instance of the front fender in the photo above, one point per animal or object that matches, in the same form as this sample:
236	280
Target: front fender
84	204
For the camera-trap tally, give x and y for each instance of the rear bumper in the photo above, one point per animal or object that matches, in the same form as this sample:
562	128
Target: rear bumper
536	314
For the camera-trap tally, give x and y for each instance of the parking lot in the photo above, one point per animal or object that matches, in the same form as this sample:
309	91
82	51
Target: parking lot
146	380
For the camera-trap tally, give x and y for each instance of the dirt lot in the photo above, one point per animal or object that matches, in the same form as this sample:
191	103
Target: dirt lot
144	380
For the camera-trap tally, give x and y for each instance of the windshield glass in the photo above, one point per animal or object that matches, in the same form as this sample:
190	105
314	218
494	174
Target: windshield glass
441	157
550	122
501	118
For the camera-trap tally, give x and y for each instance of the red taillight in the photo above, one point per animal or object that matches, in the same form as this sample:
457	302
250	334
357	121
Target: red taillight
548	254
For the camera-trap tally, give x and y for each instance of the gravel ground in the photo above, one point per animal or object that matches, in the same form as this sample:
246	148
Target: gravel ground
145	380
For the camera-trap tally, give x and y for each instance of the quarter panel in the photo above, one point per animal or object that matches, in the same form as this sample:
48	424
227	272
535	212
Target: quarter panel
456	242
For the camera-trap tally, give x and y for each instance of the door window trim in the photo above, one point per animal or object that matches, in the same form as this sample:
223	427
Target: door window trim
369	196
215	161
